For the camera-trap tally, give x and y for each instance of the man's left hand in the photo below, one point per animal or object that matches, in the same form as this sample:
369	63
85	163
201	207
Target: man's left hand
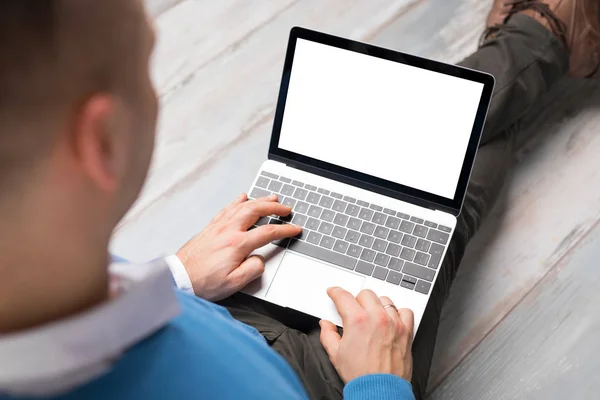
217	259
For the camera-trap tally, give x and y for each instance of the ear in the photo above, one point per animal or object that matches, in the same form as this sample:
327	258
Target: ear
96	141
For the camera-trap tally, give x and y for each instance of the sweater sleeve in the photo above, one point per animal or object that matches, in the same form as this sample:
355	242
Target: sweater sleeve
378	387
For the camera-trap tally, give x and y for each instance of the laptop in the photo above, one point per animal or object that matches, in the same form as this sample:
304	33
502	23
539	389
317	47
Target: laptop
373	150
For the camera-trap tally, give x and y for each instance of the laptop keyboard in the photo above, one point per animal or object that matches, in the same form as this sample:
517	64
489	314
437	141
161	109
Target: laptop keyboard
374	241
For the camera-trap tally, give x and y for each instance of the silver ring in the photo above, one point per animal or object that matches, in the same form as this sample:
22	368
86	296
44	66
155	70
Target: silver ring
390	306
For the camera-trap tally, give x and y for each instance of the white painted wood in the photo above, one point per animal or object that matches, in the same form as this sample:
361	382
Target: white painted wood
548	346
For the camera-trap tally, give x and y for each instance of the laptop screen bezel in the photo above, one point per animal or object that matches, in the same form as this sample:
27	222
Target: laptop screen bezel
362	180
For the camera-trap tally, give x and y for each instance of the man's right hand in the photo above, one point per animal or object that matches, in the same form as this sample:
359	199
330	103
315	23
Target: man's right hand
376	340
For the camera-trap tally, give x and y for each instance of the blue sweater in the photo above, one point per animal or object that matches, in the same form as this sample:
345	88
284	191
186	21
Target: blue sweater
205	354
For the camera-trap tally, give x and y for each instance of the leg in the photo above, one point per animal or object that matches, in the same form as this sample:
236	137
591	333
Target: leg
526	59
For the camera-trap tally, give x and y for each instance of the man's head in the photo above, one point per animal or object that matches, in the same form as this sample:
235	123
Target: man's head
77	124
77	108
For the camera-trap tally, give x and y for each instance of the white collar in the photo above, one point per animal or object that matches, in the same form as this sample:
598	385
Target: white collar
59	356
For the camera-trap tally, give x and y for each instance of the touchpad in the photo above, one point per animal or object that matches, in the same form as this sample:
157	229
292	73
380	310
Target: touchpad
301	283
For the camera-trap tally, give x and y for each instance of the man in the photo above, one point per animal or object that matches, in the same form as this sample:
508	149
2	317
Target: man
77	121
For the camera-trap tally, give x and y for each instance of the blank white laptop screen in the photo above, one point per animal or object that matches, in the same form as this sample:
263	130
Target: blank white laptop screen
393	121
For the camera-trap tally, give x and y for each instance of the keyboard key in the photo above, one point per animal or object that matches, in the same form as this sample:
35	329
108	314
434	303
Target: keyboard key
312	224
410	279
284	179
381	232
298	183
313	198
288	190
437	236
258	193
326	201
341	219
352	209
281	242
323	254
262	182
275	186
418	271
341	246
286	218
299	219
301	207
367	255
394	277
366	240
270	175
336	195
379	218
444	228
288	201
417	220
380	245
327	242
339	206
354	223
422	287
407	285
364	268
394	236
436	252
406	227
393	249
375	207
349	199
367	228
422	258
314	238
366	214
402	215
354	250
396	264
430	224
409	241
380	273
389	211
423	245
262	221
392	222
420	231
352	236
339	232
314	211
300	194
323	191
326	228
362	203
310	187
382	259
407	254
327	215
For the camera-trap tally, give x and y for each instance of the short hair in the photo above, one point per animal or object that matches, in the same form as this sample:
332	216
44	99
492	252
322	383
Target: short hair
54	54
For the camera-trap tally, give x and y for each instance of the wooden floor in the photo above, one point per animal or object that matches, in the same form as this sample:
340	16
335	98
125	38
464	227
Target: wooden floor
523	318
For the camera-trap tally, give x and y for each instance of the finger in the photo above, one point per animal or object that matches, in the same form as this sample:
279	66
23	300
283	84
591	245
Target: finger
252	268
408	320
369	301
271	197
238	200
345	303
391	311
251	211
330	338
261	236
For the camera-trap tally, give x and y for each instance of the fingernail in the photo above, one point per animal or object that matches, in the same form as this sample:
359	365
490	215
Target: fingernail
321	323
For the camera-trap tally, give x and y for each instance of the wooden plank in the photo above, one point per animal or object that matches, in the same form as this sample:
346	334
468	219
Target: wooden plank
547	347
223	102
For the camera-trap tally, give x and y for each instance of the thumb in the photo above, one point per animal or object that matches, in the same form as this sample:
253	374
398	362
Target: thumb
252	268
330	338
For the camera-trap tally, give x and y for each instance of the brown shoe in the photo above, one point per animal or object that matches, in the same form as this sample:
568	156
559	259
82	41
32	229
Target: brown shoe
576	23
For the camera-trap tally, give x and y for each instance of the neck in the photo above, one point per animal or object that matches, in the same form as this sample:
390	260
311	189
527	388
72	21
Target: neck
51	267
